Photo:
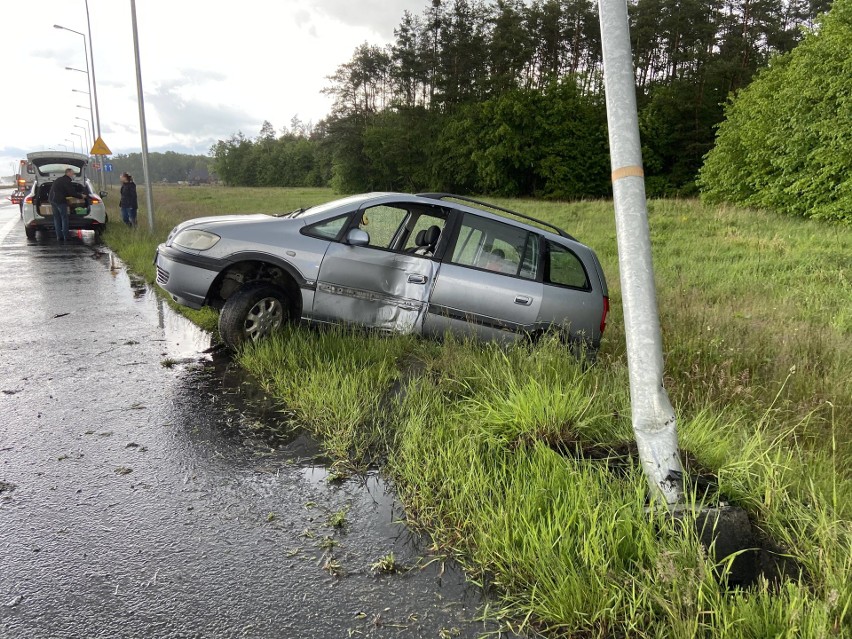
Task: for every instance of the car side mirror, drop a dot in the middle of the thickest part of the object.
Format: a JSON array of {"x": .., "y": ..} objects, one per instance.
[
  {"x": 357, "y": 237},
  {"x": 103, "y": 193}
]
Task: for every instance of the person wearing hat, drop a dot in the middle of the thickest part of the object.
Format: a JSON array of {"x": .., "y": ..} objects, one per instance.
[{"x": 63, "y": 187}]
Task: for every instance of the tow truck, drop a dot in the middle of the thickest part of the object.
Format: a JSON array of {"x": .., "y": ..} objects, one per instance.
[{"x": 23, "y": 183}]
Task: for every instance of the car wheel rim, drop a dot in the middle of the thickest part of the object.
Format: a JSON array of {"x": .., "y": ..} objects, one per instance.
[{"x": 263, "y": 318}]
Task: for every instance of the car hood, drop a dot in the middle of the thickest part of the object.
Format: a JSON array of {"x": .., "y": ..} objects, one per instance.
[
  {"x": 219, "y": 220},
  {"x": 217, "y": 223}
]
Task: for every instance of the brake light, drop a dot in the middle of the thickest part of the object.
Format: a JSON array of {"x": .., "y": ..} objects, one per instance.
[
  {"x": 94, "y": 200},
  {"x": 605, "y": 313},
  {"x": 29, "y": 199}
]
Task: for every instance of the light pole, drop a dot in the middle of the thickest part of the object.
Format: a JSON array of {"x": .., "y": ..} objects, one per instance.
[
  {"x": 77, "y": 135},
  {"x": 73, "y": 146},
  {"x": 64, "y": 146},
  {"x": 652, "y": 414},
  {"x": 92, "y": 84},
  {"x": 85, "y": 135},
  {"x": 91, "y": 77},
  {"x": 90, "y": 119},
  {"x": 142, "y": 129}
]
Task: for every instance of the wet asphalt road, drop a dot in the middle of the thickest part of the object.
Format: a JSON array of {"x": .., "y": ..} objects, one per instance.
[{"x": 134, "y": 504}]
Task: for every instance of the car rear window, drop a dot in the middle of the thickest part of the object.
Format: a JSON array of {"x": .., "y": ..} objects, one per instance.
[
  {"x": 564, "y": 268},
  {"x": 46, "y": 169}
]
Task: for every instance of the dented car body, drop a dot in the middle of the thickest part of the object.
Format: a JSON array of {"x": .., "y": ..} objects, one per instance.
[{"x": 424, "y": 264}]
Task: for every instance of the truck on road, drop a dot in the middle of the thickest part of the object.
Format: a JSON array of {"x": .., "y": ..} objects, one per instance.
[{"x": 23, "y": 183}]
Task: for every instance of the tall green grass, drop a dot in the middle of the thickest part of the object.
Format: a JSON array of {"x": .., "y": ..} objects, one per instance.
[{"x": 486, "y": 444}]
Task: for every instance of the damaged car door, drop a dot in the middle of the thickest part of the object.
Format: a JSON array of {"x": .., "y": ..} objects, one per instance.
[{"x": 374, "y": 276}]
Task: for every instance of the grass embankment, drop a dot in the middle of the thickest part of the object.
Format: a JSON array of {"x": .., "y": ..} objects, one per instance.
[{"x": 757, "y": 317}]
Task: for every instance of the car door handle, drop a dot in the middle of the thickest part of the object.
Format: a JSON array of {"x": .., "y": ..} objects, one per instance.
[
  {"x": 523, "y": 300},
  {"x": 416, "y": 279}
]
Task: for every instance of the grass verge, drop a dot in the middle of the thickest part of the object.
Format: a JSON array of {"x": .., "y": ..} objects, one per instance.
[{"x": 756, "y": 320}]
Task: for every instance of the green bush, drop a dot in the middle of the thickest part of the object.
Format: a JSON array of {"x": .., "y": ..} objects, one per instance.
[{"x": 786, "y": 142}]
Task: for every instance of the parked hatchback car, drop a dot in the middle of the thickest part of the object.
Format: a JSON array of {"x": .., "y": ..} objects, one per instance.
[
  {"x": 424, "y": 264},
  {"x": 88, "y": 212}
]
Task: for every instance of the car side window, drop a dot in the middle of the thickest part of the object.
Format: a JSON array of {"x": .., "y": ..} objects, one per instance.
[
  {"x": 327, "y": 229},
  {"x": 424, "y": 222},
  {"x": 382, "y": 224},
  {"x": 564, "y": 268},
  {"x": 498, "y": 247}
]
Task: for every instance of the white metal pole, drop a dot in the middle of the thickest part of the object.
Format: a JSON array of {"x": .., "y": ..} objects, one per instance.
[
  {"x": 77, "y": 135},
  {"x": 90, "y": 120},
  {"x": 653, "y": 416},
  {"x": 85, "y": 136},
  {"x": 142, "y": 128},
  {"x": 95, "y": 93}
]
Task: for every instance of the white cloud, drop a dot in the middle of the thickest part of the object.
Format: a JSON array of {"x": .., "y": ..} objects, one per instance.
[{"x": 381, "y": 15}]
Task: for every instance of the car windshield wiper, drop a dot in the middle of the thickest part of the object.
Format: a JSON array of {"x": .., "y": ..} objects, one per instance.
[{"x": 293, "y": 213}]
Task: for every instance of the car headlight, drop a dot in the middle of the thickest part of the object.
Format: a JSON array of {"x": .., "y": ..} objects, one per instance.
[{"x": 195, "y": 240}]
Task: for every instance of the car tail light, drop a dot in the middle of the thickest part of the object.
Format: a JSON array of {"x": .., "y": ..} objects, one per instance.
[
  {"x": 29, "y": 199},
  {"x": 605, "y": 313},
  {"x": 94, "y": 200}
]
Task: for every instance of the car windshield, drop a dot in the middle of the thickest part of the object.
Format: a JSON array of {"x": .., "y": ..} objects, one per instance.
[
  {"x": 328, "y": 206},
  {"x": 46, "y": 169}
]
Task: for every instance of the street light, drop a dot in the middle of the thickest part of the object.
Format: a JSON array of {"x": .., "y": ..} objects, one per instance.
[
  {"x": 77, "y": 135},
  {"x": 73, "y": 146},
  {"x": 93, "y": 84},
  {"x": 90, "y": 120},
  {"x": 88, "y": 51},
  {"x": 85, "y": 135}
]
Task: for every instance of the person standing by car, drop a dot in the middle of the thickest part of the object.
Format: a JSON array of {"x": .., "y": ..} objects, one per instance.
[
  {"x": 63, "y": 187},
  {"x": 129, "y": 203}
]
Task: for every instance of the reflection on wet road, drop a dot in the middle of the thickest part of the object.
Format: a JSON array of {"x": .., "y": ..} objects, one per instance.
[{"x": 135, "y": 501}]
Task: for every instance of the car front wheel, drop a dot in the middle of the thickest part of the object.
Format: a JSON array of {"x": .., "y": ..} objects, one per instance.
[{"x": 254, "y": 312}]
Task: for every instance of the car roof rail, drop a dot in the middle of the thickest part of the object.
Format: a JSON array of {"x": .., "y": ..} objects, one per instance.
[{"x": 463, "y": 198}]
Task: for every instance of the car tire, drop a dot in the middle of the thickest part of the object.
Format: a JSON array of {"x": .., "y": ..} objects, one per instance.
[
  {"x": 30, "y": 232},
  {"x": 254, "y": 312}
]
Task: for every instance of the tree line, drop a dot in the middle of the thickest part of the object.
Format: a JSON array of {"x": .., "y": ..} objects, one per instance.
[
  {"x": 163, "y": 167},
  {"x": 506, "y": 97}
]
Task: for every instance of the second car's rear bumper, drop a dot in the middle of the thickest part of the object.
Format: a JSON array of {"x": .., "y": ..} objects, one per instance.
[{"x": 182, "y": 277}]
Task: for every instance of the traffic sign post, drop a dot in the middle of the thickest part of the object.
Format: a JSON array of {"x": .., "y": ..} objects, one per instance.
[{"x": 108, "y": 168}]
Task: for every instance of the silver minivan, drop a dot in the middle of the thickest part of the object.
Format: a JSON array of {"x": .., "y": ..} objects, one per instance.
[{"x": 425, "y": 264}]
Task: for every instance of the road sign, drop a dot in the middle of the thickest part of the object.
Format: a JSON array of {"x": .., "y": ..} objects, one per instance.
[
  {"x": 108, "y": 168},
  {"x": 100, "y": 147},
  {"x": 96, "y": 165}
]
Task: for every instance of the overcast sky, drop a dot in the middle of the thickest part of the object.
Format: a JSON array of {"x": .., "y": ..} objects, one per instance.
[{"x": 209, "y": 68}]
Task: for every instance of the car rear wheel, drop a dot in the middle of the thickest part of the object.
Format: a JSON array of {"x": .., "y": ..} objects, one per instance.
[
  {"x": 254, "y": 312},
  {"x": 30, "y": 232}
]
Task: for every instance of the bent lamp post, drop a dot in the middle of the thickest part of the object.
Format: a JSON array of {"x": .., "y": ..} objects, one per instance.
[{"x": 652, "y": 414}]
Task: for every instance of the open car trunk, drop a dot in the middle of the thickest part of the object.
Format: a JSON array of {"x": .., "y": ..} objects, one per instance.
[{"x": 80, "y": 206}]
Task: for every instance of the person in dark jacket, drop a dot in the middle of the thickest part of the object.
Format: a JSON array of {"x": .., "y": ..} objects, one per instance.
[
  {"x": 128, "y": 204},
  {"x": 63, "y": 187}
]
